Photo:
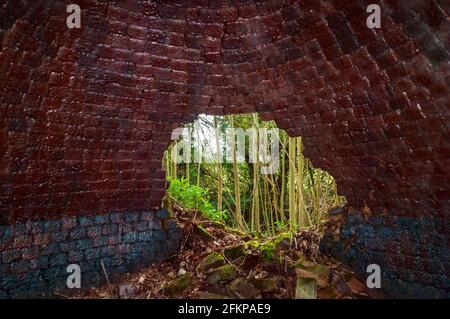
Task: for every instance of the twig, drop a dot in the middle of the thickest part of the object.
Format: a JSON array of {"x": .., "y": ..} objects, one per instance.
[
  {"x": 107, "y": 278},
  {"x": 60, "y": 294},
  {"x": 187, "y": 236}
]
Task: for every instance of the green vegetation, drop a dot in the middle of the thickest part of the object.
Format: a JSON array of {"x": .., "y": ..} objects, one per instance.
[
  {"x": 194, "y": 197},
  {"x": 268, "y": 247},
  {"x": 237, "y": 193}
]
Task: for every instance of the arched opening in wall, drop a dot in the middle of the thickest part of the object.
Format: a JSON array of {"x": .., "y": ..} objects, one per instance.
[{"x": 247, "y": 174}]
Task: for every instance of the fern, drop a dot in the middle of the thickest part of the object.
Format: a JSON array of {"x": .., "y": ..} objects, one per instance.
[{"x": 195, "y": 197}]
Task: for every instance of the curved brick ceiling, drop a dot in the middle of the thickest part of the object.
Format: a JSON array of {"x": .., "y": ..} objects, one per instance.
[{"x": 86, "y": 114}]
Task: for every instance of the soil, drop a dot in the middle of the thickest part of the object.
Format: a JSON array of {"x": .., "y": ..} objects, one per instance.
[{"x": 202, "y": 237}]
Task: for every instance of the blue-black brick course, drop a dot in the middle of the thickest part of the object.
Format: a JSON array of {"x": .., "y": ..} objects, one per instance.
[
  {"x": 34, "y": 255},
  {"x": 412, "y": 252}
]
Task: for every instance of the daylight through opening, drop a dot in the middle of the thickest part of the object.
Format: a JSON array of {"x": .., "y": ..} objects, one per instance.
[{"x": 247, "y": 174}]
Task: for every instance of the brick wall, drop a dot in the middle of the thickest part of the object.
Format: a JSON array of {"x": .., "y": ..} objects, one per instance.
[
  {"x": 412, "y": 252},
  {"x": 35, "y": 254},
  {"x": 86, "y": 114}
]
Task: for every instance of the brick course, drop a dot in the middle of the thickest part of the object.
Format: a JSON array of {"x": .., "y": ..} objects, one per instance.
[
  {"x": 124, "y": 242},
  {"x": 86, "y": 114},
  {"x": 413, "y": 253}
]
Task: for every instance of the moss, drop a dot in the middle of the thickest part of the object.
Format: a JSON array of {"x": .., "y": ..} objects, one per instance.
[
  {"x": 306, "y": 288},
  {"x": 212, "y": 261},
  {"x": 268, "y": 248},
  {"x": 224, "y": 273},
  {"x": 266, "y": 284},
  {"x": 179, "y": 284},
  {"x": 235, "y": 252}
]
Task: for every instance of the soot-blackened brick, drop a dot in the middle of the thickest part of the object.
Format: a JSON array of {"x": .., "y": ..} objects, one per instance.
[{"x": 87, "y": 114}]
